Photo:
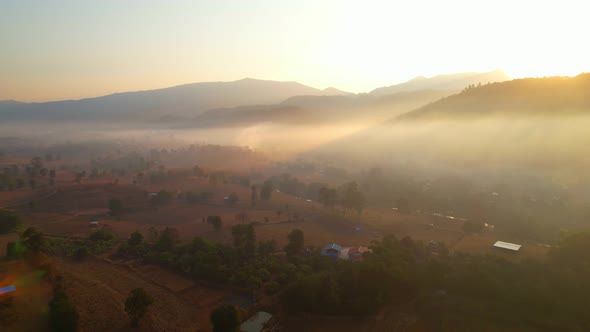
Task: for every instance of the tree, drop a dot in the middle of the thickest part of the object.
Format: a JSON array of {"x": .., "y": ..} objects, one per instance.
[
  {"x": 225, "y": 318},
  {"x": 152, "y": 235},
  {"x": 215, "y": 221},
  {"x": 168, "y": 239},
  {"x": 267, "y": 247},
  {"x": 198, "y": 171},
  {"x": 213, "y": 179},
  {"x": 242, "y": 217},
  {"x": 81, "y": 253},
  {"x": 32, "y": 239},
  {"x": 43, "y": 171},
  {"x": 63, "y": 316},
  {"x": 137, "y": 304},
  {"x": 52, "y": 173},
  {"x": 135, "y": 239},
  {"x": 101, "y": 235},
  {"x": 296, "y": 242},
  {"x": 233, "y": 199},
  {"x": 115, "y": 206},
  {"x": 266, "y": 190},
  {"x": 36, "y": 164},
  {"x": 353, "y": 197},
  {"x": 244, "y": 238},
  {"x": 8, "y": 221},
  {"x": 254, "y": 195}
]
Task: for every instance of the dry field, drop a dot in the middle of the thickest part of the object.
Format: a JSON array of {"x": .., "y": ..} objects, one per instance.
[
  {"x": 68, "y": 212},
  {"x": 99, "y": 289}
]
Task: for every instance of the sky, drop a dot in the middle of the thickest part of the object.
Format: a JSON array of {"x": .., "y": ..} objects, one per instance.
[{"x": 54, "y": 50}]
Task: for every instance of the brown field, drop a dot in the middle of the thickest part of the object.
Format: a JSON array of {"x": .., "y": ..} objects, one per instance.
[
  {"x": 69, "y": 210},
  {"x": 99, "y": 289}
]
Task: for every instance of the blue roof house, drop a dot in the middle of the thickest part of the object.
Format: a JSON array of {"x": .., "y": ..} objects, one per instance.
[{"x": 332, "y": 250}]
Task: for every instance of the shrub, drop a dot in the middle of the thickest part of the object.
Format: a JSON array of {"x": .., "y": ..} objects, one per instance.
[
  {"x": 137, "y": 304},
  {"x": 81, "y": 253},
  {"x": 62, "y": 314},
  {"x": 225, "y": 318},
  {"x": 8, "y": 221},
  {"x": 272, "y": 288},
  {"x": 101, "y": 235}
]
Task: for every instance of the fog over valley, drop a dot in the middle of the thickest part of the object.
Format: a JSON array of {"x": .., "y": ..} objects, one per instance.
[{"x": 265, "y": 166}]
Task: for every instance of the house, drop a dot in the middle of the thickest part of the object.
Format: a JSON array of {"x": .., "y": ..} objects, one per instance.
[
  {"x": 255, "y": 323},
  {"x": 507, "y": 245},
  {"x": 355, "y": 254},
  {"x": 332, "y": 250},
  {"x": 94, "y": 223}
]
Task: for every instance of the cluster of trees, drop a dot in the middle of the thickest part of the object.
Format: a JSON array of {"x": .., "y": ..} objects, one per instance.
[
  {"x": 549, "y": 295},
  {"x": 9, "y": 221},
  {"x": 18, "y": 176},
  {"x": 385, "y": 276},
  {"x": 349, "y": 196},
  {"x": 520, "y": 205},
  {"x": 248, "y": 263}
]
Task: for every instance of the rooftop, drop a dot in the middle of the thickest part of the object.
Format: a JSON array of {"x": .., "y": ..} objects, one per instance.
[
  {"x": 256, "y": 322},
  {"x": 333, "y": 246},
  {"x": 507, "y": 245}
]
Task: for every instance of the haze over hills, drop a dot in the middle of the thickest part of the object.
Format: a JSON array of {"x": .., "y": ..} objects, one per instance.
[
  {"x": 188, "y": 99},
  {"x": 298, "y": 110},
  {"x": 538, "y": 124},
  {"x": 523, "y": 97},
  {"x": 200, "y": 101},
  {"x": 443, "y": 82}
]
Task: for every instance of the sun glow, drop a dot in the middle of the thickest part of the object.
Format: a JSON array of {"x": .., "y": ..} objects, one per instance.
[{"x": 352, "y": 45}]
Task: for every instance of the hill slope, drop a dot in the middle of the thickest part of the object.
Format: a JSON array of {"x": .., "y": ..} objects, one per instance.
[{"x": 525, "y": 97}]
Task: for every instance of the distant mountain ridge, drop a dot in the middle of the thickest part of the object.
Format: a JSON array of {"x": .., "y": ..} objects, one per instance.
[
  {"x": 443, "y": 82},
  {"x": 193, "y": 99}
]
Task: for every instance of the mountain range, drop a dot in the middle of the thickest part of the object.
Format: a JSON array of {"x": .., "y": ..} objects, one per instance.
[
  {"x": 181, "y": 100},
  {"x": 219, "y": 103}
]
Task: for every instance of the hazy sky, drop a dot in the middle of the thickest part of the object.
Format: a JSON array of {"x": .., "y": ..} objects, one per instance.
[{"x": 53, "y": 50}]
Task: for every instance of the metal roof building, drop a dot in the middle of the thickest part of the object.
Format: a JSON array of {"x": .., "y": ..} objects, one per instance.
[
  {"x": 256, "y": 322},
  {"x": 507, "y": 245}
]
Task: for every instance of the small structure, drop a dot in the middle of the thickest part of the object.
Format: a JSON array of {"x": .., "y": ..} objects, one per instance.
[
  {"x": 355, "y": 254},
  {"x": 332, "y": 250},
  {"x": 256, "y": 322},
  {"x": 94, "y": 223},
  {"x": 507, "y": 246}
]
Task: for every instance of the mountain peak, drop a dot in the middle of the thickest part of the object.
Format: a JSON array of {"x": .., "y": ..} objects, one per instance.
[
  {"x": 451, "y": 82},
  {"x": 331, "y": 91}
]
